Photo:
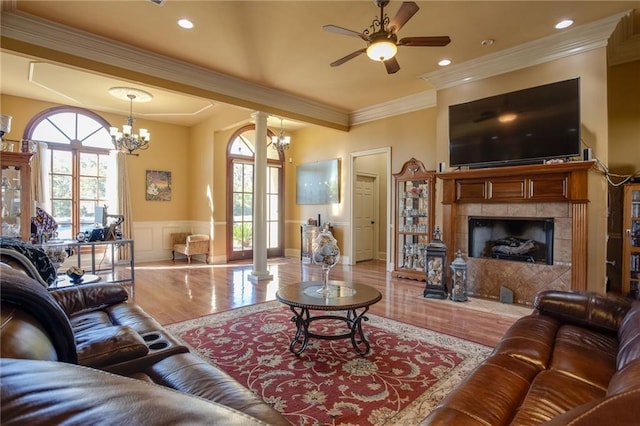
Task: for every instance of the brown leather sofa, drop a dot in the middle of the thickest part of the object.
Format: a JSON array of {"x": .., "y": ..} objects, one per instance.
[
  {"x": 574, "y": 361},
  {"x": 87, "y": 355}
]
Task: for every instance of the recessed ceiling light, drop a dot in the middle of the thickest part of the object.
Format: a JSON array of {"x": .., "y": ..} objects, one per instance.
[
  {"x": 185, "y": 23},
  {"x": 487, "y": 42},
  {"x": 444, "y": 62},
  {"x": 564, "y": 24}
]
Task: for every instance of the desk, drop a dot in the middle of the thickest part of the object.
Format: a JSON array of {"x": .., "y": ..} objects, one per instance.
[
  {"x": 350, "y": 297},
  {"x": 78, "y": 247},
  {"x": 113, "y": 245}
]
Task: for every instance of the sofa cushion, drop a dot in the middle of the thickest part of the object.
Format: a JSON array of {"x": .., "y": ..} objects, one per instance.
[
  {"x": 109, "y": 345},
  {"x": 531, "y": 339},
  {"x": 190, "y": 374},
  {"x": 553, "y": 393},
  {"x": 585, "y": 354},
  {"x": 476, "y": 402},
  {"x": 45, "y": 393}
]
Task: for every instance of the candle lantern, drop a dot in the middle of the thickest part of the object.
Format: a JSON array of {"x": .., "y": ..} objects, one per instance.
[
  {"x": 436, "y": 265},
  {"x": 459, "y": 279}
]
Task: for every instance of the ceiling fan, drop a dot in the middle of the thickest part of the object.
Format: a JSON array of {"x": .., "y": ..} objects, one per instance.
[{"x": 382, "y": 39}]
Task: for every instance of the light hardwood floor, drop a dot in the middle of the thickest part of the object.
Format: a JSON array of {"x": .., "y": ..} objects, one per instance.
[{"x": 175, "y": 291}]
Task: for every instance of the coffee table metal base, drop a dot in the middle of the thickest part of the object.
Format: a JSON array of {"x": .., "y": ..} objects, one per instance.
[{"x": 353, "y": 319}]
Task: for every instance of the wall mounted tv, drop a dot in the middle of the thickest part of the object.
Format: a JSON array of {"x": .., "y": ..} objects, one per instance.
[{"x": 522, "y": 127}]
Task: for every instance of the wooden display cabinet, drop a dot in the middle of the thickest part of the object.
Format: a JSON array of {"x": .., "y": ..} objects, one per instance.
[
  {"x": 414, "y": 219},
  {"x": 631, "y": 241},
  {"x": 16, "y": 194}
]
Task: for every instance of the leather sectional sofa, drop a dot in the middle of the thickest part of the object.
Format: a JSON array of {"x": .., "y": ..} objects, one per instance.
[
  {"x": 574, "y": 361},
  {"x": 87, "y": 355}
]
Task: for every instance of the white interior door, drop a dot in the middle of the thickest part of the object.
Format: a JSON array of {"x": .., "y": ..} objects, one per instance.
[{"x": 365, "y": 208}]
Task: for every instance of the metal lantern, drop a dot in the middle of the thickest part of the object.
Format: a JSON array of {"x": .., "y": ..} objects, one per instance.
[
  {"x": 436, "y": 268},
  {"x": 458, "y": 279}
]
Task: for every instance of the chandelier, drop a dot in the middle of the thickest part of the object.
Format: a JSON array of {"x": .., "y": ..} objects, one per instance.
[
  {"x": 127, "y": 140},
  {"x": 281, "y": 142}
]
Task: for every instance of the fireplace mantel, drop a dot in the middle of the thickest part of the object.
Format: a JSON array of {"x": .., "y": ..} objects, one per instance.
[
  {"x": 542, "y": 183},
  {"x": 518, "y": 184}
]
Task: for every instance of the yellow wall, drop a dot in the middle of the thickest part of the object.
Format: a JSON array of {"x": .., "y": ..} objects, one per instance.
[
  {"x": 624, "y": 118},
  {"x": 169, "y": 150}
]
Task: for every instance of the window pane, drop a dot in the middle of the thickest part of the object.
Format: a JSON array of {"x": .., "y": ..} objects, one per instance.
[
  {"x": 45, "y": 131},
  {"x": 272, "y": 179},
  {"x": 61, "y": 161},
  {"x": 92, "y": 134},
  {"x": 272, "y": 207},
  {"x": 237, "y": 207},
  {"x": 237, "y": 177},
  {"x": 61, "y": 186},
  {"x": 88, "y": 164},
  {"x": 272, "y": 234},
  {"x": 88, "y": 188},
  {"x": 102, "y": 190},
  {"x": 61, "y": 211},
  {"x": 66, "y": 122},
  {"x": 248, "y": 178},
  {"x": 87, "y": 212},
  {"x": 103, "y": 165},
  {"x": 247, "y": 236},
  {"x": 248, "y": 207}
]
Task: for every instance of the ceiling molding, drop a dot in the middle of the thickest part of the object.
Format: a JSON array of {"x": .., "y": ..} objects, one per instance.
[
  {"x": 569, "y": 42},
  {"x": 29, "y": 31},
  {"x": 406, "y": 104},
  {"x": 625, "y": 44}
]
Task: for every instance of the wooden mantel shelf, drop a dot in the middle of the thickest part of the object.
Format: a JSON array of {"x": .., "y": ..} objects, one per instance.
[{"x": 564, "y": 182}]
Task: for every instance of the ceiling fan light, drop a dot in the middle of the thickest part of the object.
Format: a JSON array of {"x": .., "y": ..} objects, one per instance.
[
  {"x": 507, "y": 117},
  {"x": 382, "y": 50}
]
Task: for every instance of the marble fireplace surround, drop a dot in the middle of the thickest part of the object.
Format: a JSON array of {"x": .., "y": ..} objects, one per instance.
[{"x": 557, "y": 191}]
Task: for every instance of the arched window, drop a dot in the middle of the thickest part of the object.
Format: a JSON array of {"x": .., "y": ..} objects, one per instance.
[
  {"x": 240, "y": 166},
  {"x": 77, "y": 166}
]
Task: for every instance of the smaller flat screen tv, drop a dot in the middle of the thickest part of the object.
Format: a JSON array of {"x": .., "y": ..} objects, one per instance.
[{"x": 522, "y": 127}]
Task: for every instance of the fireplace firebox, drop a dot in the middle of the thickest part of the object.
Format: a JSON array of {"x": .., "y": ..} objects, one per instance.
[{"x": 517, "y": 239}]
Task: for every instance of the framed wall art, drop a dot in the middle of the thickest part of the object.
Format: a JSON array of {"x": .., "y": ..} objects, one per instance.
[
  {"x": 318, "y": 182},
  {"x": 158, "y": 185}
]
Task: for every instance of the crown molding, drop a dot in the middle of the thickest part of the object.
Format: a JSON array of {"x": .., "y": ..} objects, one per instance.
[
  {"x": 570, "y": 42},
  {"x": 406, "y": 104},
  {"x": 624, "y": 44},
  {"x": 86, "y": 50}
]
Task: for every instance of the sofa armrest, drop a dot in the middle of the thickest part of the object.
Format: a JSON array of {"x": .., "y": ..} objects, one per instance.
[
  {"x": 587, "y": 309},
  {"x": 79, "y": 298}
]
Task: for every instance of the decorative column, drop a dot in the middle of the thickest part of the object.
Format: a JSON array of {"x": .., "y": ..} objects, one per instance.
[{"x": 260, "y": 271}]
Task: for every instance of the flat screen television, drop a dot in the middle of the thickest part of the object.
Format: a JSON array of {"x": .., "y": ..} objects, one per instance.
[{"x": 523, "y": 127}]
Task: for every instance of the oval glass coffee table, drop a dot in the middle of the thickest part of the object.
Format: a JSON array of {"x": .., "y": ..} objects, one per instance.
[{"x": 353, "y": 298}]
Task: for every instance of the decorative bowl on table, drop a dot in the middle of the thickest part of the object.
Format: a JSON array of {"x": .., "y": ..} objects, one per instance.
[{"x": 75, "y": 274}]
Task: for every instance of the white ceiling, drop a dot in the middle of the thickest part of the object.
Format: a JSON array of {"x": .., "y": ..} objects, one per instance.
[{"x": 278, "y": 45}]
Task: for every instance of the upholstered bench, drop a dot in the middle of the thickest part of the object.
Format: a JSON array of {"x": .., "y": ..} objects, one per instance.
[{"x": 189, "y": 245}]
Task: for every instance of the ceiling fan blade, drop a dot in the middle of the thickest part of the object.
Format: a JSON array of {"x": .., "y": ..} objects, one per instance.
[
  {"x": 392, "y": 65},
  {"x": 435, "y": 41},
  {"x": 349, "y": 57},
  {"x": 406, "y": 11},
  {"x": 344, "y": 31}
]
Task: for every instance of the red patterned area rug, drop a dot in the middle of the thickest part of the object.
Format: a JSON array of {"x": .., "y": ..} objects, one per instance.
[{"x": 406, "y": 373}]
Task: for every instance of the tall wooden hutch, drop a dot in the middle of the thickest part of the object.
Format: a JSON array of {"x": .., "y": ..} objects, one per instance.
[
  {"x": 16, "y": 194},
  {"x": 414, "y": 218}
]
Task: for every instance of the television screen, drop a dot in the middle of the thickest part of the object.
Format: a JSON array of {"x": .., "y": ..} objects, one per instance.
[{"x": 522, "y": 127}]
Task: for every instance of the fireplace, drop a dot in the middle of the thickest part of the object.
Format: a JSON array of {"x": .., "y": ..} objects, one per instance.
[{"x": 516, "y": 239}]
